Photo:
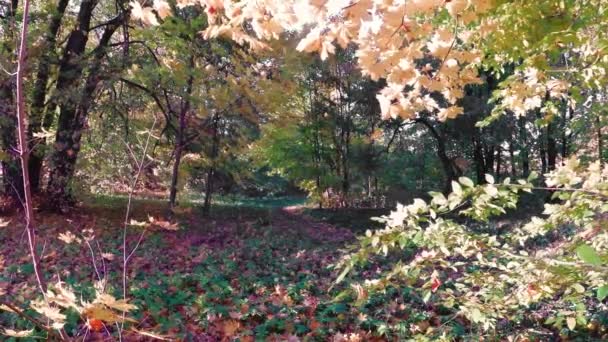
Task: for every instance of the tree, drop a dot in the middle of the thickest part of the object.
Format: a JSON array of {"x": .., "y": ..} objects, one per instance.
[{"x": 11, "y": 172}]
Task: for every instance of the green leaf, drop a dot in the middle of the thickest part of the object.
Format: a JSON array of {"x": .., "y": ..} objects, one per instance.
[
  {"x": 588, "y": 255},
  {"x": 456, "y": 188},
  {"x": 533, "y": 175},
  {"x": 602, "y": 292},
  {"x": 427, "y": 296},
  {"x": 466, "y": 182},
  {"x": 578, "y": 288},
  {"x": 342, "y": 275}
]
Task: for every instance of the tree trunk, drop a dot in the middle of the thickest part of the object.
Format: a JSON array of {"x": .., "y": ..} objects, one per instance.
[
  {"x": 74, "y": 112},
  {"x": 215, "y": 146},
  {"x": 37, "y": 145},
  {"x": 498, "y": 162},
  {"x": 11, "y": 171},
  {"x": 178, "y": 158},
  {"x": 600, "y": 140},
  {"x": 489, "y": 158},
  {"x": 345, "y": 165},
  {"x": 551, "y": 147},
  {"x": 542, "y": 145},
  {"x": 478, "y": 159},
  {"x": 180, "y": 138},
  {"x": 446, "y": 162},
  {"x": 523, "y": 146},
  {"x": 565, "y": 144},
  {"x": 512, "y": 158}
]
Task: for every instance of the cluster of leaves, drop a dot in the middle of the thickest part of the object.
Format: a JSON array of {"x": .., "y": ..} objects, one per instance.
[{"x": 493, "y": 277}]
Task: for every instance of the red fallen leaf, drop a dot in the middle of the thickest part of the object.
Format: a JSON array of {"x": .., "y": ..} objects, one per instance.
[
  {"x": 95, "y": 324},
  {"x": 314, "y": 325},
  {"x": 212, "y": 10},
  {"x": 435, "y": 284}
]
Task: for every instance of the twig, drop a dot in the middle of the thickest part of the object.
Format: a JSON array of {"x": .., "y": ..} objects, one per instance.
[
  {"x": 93, "y": 259},
  {"x": 128, "y": 210},
  {"x": 125, "y": 257},
  {"x": 584, "y": 191},
  {"x": 29, "y": 318}
]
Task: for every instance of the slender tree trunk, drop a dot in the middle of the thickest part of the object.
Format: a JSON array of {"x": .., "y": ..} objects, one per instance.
[
  {"x": 523, "y": 146},
  {"x": 498, "y": 162},
  {"x": 512, "y": 158},
  {"x": 345, "y": 164},
  {"x": 178, "y": 158},
  {"x": 542, "y": 145},
  {"x": 478, "y": 159},
  {"x": 490, "y": 152},
  {"x": 551, "y": 147},
  {"x": 215, "y": 146},
  {"x": 180, "y": 138},
  {"x": 565, "y": 144},
  {"x": 600, "y": 140},
  {"x": 37, "y": 145},
  {"x": 317, "y": 141},
  {"x": 208, "y": 191},
  {"x": 24, "y": 154}
]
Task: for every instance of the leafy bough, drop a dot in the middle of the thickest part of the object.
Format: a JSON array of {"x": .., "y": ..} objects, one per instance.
[{"x": 488, "y": 276}]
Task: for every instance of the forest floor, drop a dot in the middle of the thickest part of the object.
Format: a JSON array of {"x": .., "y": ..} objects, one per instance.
[{"x": 246, "y": 273}]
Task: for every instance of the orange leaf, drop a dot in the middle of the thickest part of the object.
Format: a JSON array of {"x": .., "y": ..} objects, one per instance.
[{"x": 95, "y": 325}]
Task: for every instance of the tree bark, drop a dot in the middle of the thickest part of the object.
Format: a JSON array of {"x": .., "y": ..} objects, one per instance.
[
  {"x": 523, "y": 147},
  {"x": 446, "y": 162},
  {"x": 489, "y": 152},
  {"x": 600, "y": 140},
  {"x": 565, "y": 138},
  {"x": 551, "y": 147},
  {"x": 11, "y": 171},
  {"x": 498, "y": 162},
  {"x": 69, "y": 128},
  {"x": 37, "y": 145},
  {"x": 478, "y": 159},
  {"x": 542, "y": 145},
  {"x": 180, "y": 138},
  {"x": 215, "y": 145},
  {"x": 74, "y": 112},
  {"x": 512, "y": 158}
]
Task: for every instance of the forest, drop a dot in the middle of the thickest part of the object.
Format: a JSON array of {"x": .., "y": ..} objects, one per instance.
[{"x": 303, "y": 170}]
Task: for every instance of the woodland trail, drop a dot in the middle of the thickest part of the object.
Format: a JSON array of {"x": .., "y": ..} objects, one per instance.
[{"x": 294, "y": 217}]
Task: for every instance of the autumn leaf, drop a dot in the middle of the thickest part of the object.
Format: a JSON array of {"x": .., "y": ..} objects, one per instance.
[
  {"x": 435, "y": 284},
  {"x": 113, "y": 303},
  {"x": 231, "y": 327},
  {"x": 143, "y": 14},
  {"x": 162, "y": 8},
  {"x": 108, "y": 256},
  {"x": 18, "y": 333},
  {"x": 152, "y": 335},
  {"x": 69, "y": 238},
  {"x": 95, "y": 324}
]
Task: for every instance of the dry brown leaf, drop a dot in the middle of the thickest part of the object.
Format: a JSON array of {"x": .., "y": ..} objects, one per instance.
[
  {"x": 152, "y": 335},
  {"x": 20, "y": 333}
]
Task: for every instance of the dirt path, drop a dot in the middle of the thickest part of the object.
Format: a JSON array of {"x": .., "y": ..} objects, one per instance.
[{"x": 294, "y": 218}]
